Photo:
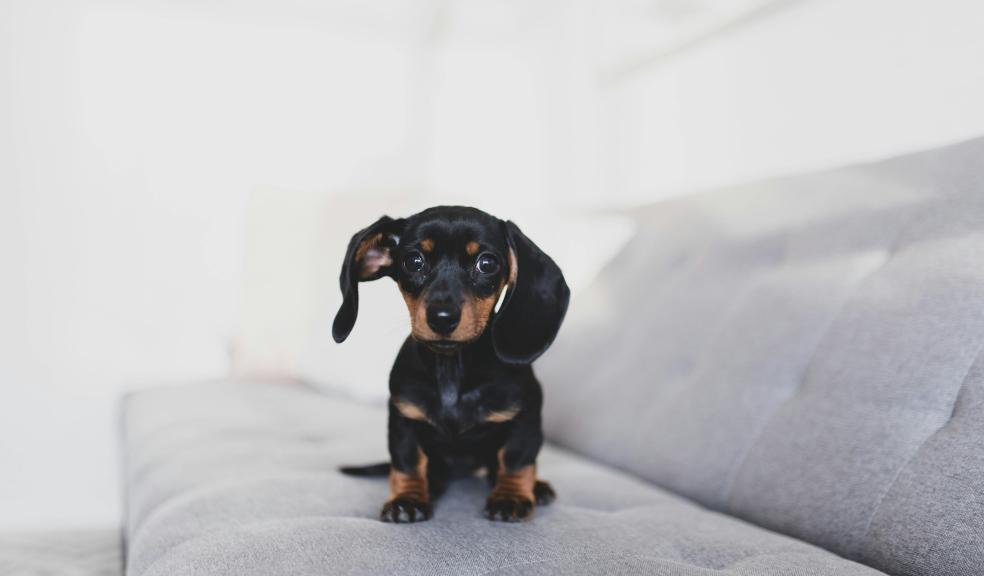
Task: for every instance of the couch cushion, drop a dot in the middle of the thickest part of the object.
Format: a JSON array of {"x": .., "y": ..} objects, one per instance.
[
  {"x": 81, "y": 552},
  {"x": 799, "y": 353},
  {"x": 233, "y": 478}
]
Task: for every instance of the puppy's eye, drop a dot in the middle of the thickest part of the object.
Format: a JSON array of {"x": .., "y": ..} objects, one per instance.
[
  {"x": 487, "y": 264},
  {"x": 414, "y": 262}
]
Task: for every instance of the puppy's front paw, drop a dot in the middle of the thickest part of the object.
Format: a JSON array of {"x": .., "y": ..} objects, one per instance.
[
  {"x": 508, "y": 507},
  {"x": 406, "y": 509}
]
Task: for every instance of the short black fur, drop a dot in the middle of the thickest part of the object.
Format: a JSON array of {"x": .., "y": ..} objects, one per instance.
[{"x": 463, "y": 395}]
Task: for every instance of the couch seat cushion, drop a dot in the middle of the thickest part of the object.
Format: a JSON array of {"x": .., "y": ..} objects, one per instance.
[{"x": 241, "y": 478}]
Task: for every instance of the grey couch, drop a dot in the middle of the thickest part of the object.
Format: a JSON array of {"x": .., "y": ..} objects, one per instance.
[{"x": 785, "y": 378}]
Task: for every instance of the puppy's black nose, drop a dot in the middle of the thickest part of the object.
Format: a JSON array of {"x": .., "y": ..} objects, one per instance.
[{"x": 443, "y": 318}]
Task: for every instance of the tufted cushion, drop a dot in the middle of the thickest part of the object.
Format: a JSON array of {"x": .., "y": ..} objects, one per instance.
[
  {"x": 800, "y": 353},
  {"x": 233, "y": 478}
]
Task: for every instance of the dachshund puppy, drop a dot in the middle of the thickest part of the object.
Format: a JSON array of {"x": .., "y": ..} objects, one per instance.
[{"x": 462, "y": 393}]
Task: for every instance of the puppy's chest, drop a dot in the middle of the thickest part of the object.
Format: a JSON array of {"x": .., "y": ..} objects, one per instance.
[{"x": 459, "y": 406}]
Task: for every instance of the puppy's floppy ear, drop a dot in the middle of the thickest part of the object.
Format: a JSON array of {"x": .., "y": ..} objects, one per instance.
[
  {"x": 535, "y": 305},
  {"x": 368, "y": 257}
]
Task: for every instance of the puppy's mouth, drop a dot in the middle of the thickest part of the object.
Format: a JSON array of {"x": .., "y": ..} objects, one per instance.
[{"x": 444, "y": 346}]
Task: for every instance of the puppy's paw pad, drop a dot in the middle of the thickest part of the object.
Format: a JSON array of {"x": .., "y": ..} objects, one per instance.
[
  {"x": 543, "y": 493},
  {"x": 404, "y": 510},
  {"x": 508, "y": 508}
]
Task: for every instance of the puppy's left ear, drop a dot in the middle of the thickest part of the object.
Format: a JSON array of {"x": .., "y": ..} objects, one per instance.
[
  {"x": 369, "y": 257},
  {"x": 535, "y": 305}
]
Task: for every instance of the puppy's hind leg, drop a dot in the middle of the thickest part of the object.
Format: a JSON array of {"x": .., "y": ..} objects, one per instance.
[{"x": 543, "y": 493}]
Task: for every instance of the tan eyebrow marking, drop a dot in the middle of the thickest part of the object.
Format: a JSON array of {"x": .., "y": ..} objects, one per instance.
[
  {"x": 427, "y": 244},
  {"x": 472, "y": 248}
]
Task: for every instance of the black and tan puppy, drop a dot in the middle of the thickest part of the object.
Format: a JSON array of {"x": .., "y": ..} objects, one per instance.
[{"x": 462, "y": 392}]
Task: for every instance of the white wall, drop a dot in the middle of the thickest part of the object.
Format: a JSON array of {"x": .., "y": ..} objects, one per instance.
[
  {"x": 131, "y": 136},
  {"x": 134, "y": 135},
  {"x": 624, "y": 102},
  {"x": 807, "y": 85}
]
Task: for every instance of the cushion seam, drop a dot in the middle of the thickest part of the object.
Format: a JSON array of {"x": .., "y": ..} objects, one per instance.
[{"x": 863, "y": 541}]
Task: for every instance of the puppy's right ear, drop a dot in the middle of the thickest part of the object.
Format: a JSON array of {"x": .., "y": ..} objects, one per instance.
[{"x": 369, "y": 256}]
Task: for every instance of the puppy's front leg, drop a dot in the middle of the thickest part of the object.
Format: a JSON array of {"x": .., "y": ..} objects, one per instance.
[
  {"x": 409, "y": 499},
  {"x": 516, "y": 491}
]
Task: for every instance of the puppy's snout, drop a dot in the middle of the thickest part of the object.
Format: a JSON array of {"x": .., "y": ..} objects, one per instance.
[{"x": 443, "y": 318}]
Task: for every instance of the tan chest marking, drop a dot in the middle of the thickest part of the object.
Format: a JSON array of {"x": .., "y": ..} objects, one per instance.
[
  {"x": 499, "y": 416},
  {"x": 411, "y": 410}
]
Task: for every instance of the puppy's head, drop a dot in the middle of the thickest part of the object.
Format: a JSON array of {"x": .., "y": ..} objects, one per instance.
[{"x": 452, "y": 264}]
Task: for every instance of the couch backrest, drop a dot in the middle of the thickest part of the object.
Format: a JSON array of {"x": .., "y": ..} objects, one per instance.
[{"x": 804, "y": 353}]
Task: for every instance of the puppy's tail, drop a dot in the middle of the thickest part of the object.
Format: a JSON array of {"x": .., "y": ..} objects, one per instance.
[{"x": 370, "y": 471}]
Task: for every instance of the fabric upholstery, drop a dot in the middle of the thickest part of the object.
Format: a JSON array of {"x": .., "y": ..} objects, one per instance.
[
  {"x": 241, "y": 479},
  {"x": 804, "y": 354},
  {"x": 81, "y": 552}
]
